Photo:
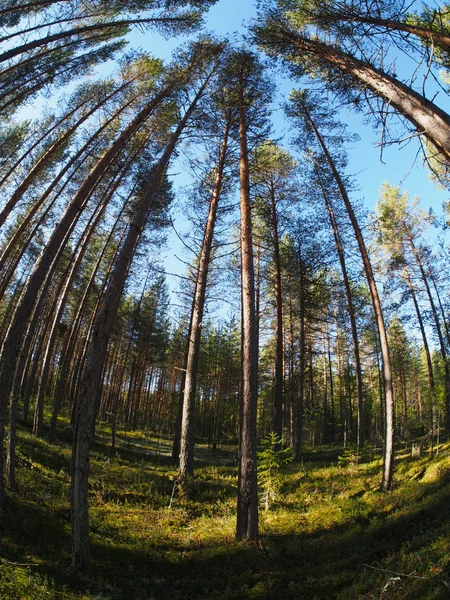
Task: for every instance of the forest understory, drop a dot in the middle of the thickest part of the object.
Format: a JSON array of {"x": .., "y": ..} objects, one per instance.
[
  {"x": 329, "y": 533},
  {"x": 224, "y": 338}
]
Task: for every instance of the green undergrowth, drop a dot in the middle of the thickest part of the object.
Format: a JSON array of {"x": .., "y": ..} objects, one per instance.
[{"x": 330, "y": 533}]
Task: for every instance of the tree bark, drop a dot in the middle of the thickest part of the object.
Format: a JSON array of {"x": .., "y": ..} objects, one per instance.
[
  {"x": 300, "y": 399},
  {"x": 277, "y": 416},
  {"x": 438, "y": 328},
  {"x": 89, "y": 388},
  {"x": 351, "y": 312},
  {"x": 13, "y": 342},
  {"x": 55, "y": 37},
  {"x": 427, "y": 351},
  {"x": 247, "y": 505},
  {"x": 388, "y": 458},
  {"x": 429, "y": 120},
  {"x": 424, "y": 33},
  {"x": 193, "y": 353},
  {"x": 42, "y": 163}
]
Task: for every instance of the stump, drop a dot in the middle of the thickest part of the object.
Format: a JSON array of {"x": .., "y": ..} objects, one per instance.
[{"x": 416, "y": 451}]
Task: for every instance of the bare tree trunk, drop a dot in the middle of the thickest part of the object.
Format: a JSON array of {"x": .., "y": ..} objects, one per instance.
[
  {"x": 66, "y": 354},
  {"x": 351, "y": 312},
  {"x": 13, "y": 343},
  {"x": 90, "y": 384},
  {"x": 428, "y": 35},
  {"x": 429, "y": 120},
  {"x": 40, "y": 202},
  {"x": 193, "y": 353},
  {"x": 247, "y": 505},
  {"x": 19, "y": 381},
  {"x": 12, "y": 169},
  {"x": 427, "y": 352},
  {"x": 388, "y": 461},
  {"x": 300, "y": 400},
  {"x": 330, "y": 366},
  {"x": 277, "y": 416},
  {"x": 438, "y": 328},
  {"x": 325, "y": 407},
  {"x": 62, "y": 295},
  {"x": 176, "y": 445},
  {"x": 42, "y": 163},
  {"x": 441, "y": 308},
  {"x": 55, "y": 37},
  {"x": 291, "y": 369}
]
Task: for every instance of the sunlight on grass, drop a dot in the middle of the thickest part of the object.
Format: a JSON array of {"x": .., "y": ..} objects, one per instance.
[{"x": 329, "y": 534}]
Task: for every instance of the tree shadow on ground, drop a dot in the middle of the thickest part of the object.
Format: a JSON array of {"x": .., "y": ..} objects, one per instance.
[{"x": 327, "y": 564}]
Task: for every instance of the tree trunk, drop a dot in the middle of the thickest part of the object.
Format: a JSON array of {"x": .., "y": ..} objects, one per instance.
[
  {"x": 424, "y": 33},
  {"x": 429, "y": 120},
  {"x": 300, "y": 400},
  {"x": 13, "y": 342},
  {"x": 427, "y": 351},
  {"x": 44, "y": 160},
  {"x": 65, "y": 287},
  {"x": 351, "y": 312},
  {"x": 277, "y": 416},
  {"x": 247, "y": 504},
  {"x": 438, "y": 329},
  {"x": 55, "y": 37},
  {"x": 388, "y": 461},
  {"x": 67, "y": 353},
  {"x": 13, "y": 168},
  {"x": 90, "y": 384},
  {"x": 193, "y": 353},
  {"x": 291, "y": 368}
]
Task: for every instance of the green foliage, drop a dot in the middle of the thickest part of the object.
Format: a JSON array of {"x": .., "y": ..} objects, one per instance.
[
  {"x": 270, "y": 461},
  {"x": 20, "y": 583},
  {"x": 351, "y": 456},
  {"x": 333, "y": 536}
]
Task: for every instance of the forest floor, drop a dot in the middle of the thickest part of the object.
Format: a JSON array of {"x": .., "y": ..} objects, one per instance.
[{"x": 330, "y": 535}]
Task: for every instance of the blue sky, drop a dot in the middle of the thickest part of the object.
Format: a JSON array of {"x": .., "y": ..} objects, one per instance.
[
  {"x": 400, "y": 165},
  {"x": 229, "y": 18}
]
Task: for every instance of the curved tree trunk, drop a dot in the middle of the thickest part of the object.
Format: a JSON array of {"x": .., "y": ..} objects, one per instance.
[
  {"x": 63, "y": 293},
  {"x": 40, "y": 202},
  {"x": 65, "y": 289},
  {"x": 89, "y": 388},
  {"x": 70, "y": 343},
  {"x": 438, "y": 329},
  {"x": 41, "y": 138},
  {"x": 429, "y": 120},
  {"x": 61, "y": 35},
  {"x": 351, "y": 312},
  {"x": 13, "y": 342},
  {"x": 388, "y": 462},
  {"x": 193, "y": 351},
  {"x": 31, "y": 6},
  {"x": 43, "y": 162},
  {"x": 424, "y": 33},
  {"x": 426, "y": 348}
]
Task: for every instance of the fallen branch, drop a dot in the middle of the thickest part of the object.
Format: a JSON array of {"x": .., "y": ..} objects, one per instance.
[
  {"x": 16, "y": 564},
  {"x": 411, "y": 575}
]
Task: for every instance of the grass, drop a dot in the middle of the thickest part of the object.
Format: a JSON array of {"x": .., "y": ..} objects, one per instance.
[{"x": 332, "y": 534}]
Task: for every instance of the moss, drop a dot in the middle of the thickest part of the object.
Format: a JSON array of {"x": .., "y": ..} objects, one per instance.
[{"x": 331, "y": 535}]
